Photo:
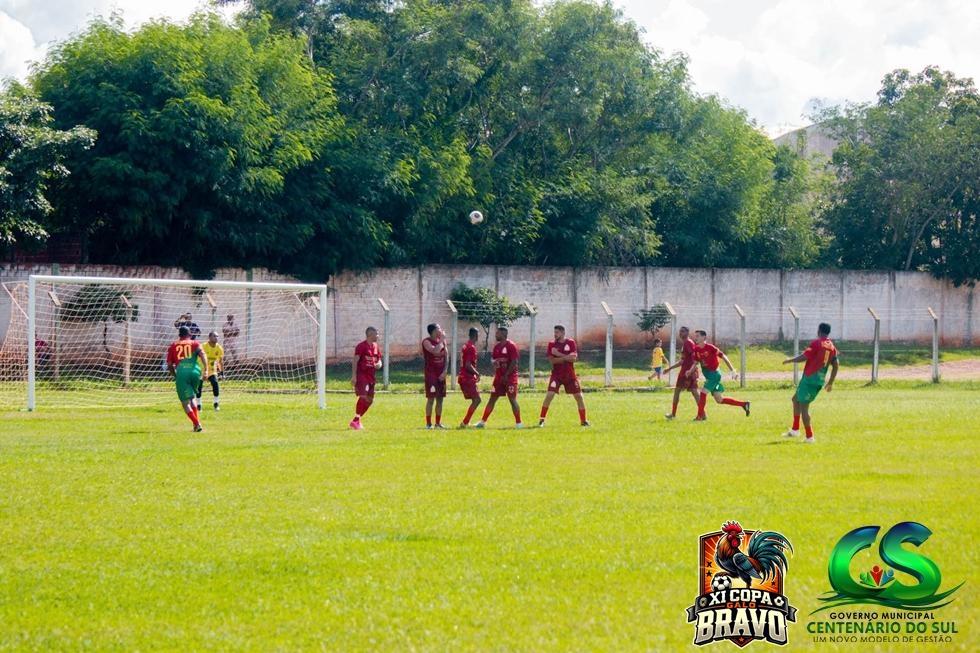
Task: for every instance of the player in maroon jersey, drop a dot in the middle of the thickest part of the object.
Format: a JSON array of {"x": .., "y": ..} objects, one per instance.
[
  {"x": 687, "y": 377},
  {"x": 562, "y": 352},
  {"x": 434, "y": 352},
  {"x": 469, "y": 376},
  {"x": 708, "y": 355},
  {"x": 367, "y": 360},
  {"x": 505, "y": 358}
]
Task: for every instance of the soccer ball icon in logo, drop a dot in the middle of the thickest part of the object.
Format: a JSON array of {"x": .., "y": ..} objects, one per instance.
[
  {"x": 476, "y": 217},
  {"x": 721, "y": 582}
]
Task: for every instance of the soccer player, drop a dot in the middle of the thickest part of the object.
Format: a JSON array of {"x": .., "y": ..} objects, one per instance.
[
  {"x": 819, "y": 355},
  {"x": 434, "y": 353},
  {"x": 657, "y": 360},
  {"x": 505, "y": 357},
  {"x": 215, "y": 353},
  {"x": 708, "y": 354},
  {"x": 687, "y": 377},
  {"x": 367, "y": 360},
  {"x": 469, "y": 376},
  {"x": 186, "y": 362},
  {"x": 563, "y": 353}
]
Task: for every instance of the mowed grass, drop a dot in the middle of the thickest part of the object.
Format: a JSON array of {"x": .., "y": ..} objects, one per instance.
[{"x": 279, "y": 529}]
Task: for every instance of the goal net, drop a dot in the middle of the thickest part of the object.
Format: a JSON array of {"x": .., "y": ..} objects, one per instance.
[{"x": 103, "y": 341}]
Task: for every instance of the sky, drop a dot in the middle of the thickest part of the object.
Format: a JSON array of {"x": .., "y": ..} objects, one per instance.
[{"x": 776, "y": 59}]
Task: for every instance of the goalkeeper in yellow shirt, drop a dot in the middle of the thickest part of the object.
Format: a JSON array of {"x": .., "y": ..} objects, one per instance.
[{"x": 215, "y": 353}]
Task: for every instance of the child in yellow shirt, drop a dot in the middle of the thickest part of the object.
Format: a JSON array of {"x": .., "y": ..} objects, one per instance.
[{"x": 657, "y": 360}]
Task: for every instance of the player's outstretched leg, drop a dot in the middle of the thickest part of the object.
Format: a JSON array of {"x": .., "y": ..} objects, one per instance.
[
  {"x": 795, "y": 429},
  {"x": 728, "y": 401},
  {"x": 548, "y": 398}
]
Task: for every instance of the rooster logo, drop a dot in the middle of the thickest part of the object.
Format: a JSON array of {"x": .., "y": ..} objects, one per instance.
[{"x": 764, "y": 559}]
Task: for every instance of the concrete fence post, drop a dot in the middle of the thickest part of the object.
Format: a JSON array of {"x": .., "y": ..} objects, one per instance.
[
  {"x": 673, "y": 340},
  {"x": 127, "y": 343},
  {"x": 385, "y": 339},
  {"x": 935, "y": 345},
  {"x": 741, "y": 345},
  {"x": 876, "y": 347},
  {"x": 796, "y": 344},
  {"x": 454, "y": 343},
  {"x": 609, "y": 342},
  {"x": 532, "y": 344}
]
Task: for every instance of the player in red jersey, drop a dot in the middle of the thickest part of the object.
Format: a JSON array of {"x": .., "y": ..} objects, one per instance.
[
  {"x": 687, "y": 377},
  {"x": 469, "y": 377},
  {"x": 505, "y": 358},
  {"x": 819, "y": 355},
  {"x": 563, "y": 353},
  {"x": 186, "y": 362},
  {"x": 434, "y": 352},
  {"x": 367, "y": 360},
  {"x": 708, "y": 354}
]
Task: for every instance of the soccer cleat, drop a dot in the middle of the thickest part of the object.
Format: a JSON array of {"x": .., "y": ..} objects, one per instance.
[
  {"x": 198, "y": 428},
  {"x": 480, "y": 424},
  {"x": 746, "y": 408},
  {"x": 216, "y": 406},
  {"x": 441, "y": 427},
  {"x": 428, "y": 427},
  {"x": 701, "y": 418},
  {"x": 586, "y": 423},
  {"x": 792, "y": 433},
  {"x": 808, "y": 440},
  {"x": 519, "y": 425},
  {"x": 355, "y": 424},
  {"x": 669, "y": 416},
  {"x": 463, "y": 426},
  {"x": 540, "y": 423}
]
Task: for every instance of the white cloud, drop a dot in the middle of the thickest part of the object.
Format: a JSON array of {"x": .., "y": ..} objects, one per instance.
[
  {"x": 17, "y": 47},
  {"x": 774, "y": 58}
]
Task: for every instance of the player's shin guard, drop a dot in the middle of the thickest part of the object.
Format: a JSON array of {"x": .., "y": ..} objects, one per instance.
[{"x": 728, "y": 401}]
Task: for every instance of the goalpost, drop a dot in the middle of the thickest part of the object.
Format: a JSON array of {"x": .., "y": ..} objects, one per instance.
[{"x": 102, "y": 341}]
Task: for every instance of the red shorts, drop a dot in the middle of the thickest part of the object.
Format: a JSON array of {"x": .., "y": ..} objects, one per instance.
[
  {"x": 570, "y": 383},
  {"x": 503, "y": 387},
  {"x": 469, "y": 387},
  {"x": 685, "y": 382},
  {"x": 435, "y": 388},
  {"x": 364, "y": 387}
]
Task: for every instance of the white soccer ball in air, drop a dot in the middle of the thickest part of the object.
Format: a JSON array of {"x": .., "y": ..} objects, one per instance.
[
  {"x": 721, "y": 582},
  {"x": 476, "y": 217}
]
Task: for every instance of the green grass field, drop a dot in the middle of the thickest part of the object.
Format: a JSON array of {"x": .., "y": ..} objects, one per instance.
[{"x": 279, "y": 529}]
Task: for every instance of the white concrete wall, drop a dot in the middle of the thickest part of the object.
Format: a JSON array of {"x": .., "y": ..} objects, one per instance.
[{"x": 704, "y": 298}]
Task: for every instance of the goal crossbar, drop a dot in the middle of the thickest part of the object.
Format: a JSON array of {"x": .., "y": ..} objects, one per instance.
[{"x": 320, "y": 304}]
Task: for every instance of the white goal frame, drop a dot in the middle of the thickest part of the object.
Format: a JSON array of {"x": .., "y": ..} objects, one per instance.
[{"x": 34, "y": 279}]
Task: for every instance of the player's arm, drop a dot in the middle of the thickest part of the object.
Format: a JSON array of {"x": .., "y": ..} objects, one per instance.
[
  {"x": 353, "y": 369},
  {"x": 724, "y": 357},
  {"x": 204, "y": 362},
  {"x": 798, "y": 359},
  {"x": 834, "y": 366},
  {"x": 677, "y": 364},
  {"x": 429, "y": 347}
]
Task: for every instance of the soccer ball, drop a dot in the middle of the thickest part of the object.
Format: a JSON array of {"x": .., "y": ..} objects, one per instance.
[
  {"x": 721, "y": 582},
  {"x": 476, "y": 217}
]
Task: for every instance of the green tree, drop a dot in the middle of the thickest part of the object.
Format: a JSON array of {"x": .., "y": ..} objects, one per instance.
[
  {"x": 652, "y": 319},
  {"x": 32, "y": 156},
  {"x": 486, "y": 308},
  {"x": 219, "y": 145},
  {"x": 909, "y": 170}
]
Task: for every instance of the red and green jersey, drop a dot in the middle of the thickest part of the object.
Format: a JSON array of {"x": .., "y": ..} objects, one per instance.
[
  {"x": 182, "y": 350},
  {"x": 819, "y": 355},
  {"x": 708, "y": 355},
  {"x": 469, "y": 358}
]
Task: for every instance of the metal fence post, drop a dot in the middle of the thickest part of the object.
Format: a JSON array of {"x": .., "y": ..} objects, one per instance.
[
  {"x": 609, "y": 342},
  {"x": 935, "y": 345},
  {"x": 876, "y": 347},
  {"x": 454, "y": 340},
  {"x": 532, "y": 313},
  {"x": 385, "y": 354},
  {"x": 796, "y": 344},
  {"x": 673, "y": 340},
  {"x": 741, "y": 345}
]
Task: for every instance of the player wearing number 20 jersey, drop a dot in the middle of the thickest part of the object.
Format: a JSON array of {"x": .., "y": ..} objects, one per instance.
[{"x": 187, "y": 362}]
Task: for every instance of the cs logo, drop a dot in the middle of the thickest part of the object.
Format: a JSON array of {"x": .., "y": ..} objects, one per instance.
[{"x": 879, "y": 586}]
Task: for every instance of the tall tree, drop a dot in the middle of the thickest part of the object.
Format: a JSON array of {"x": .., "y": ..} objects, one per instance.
[
  {"x": 909, "y": 165},
  {"x": 32, "y": 156}
]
